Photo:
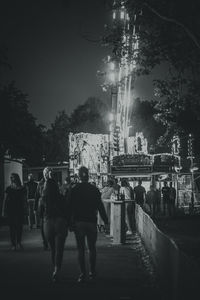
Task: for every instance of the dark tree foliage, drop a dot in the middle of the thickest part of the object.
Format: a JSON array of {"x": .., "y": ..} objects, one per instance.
[
  {"x": 19, "y": 135},
  {"x": 168, "y": 32},
  {"x": 56, "y": 139},
  {"x": 3, "y": 61},
  {"x": 142, "y": 120},
  {"x": 91, "y": 117}
]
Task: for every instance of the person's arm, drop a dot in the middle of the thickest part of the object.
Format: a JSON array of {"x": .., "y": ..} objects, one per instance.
[{"x": 5, "y": 205}]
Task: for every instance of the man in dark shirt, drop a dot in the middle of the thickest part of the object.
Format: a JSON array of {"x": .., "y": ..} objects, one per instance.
[
  {"x": 165, "y": 197},
  {"x": 85, "y": 202},
  {"x": 172, "y": 199},
  {"x": 31, "y": 187},
  {"x": 139, "y": 193}
]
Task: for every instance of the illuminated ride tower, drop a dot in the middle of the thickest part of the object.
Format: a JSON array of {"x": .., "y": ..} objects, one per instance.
[{"x": 122, "y": 66}]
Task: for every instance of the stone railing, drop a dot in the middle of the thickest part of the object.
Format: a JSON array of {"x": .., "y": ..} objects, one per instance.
[{"x": 177, "y": 274}]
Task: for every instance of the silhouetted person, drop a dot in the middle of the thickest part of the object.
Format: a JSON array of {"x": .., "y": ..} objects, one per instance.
[
  {"x": 31, "y": 187},
  {"x": 85, "y": 202},
  {"x": 15, "y": 208},
  {"x": 153, "y": 200},
  {"x": 39, "y": 208},
  {"x": 139, "y": 193},
  {"x": 126, "y": 191},
  {"x": 172, "y": 199},
  {"x": 116, "y": 186},
  {"x": 165, "y": 197},
  {"x": 106, "y": 193},
  {"x": 55, "y": 220}
]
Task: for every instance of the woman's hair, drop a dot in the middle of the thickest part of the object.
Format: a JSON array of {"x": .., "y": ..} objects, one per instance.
[
  {"x": 46, "y": 170},
  {"x": 16, "y": 178}
]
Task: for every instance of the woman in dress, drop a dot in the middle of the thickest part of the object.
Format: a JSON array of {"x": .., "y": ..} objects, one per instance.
[
  {"x": 15, "y": 209},
  {"x": 55, "y": 220}
]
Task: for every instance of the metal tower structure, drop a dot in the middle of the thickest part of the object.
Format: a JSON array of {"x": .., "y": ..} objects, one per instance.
[{"x": 122, "y": 66}]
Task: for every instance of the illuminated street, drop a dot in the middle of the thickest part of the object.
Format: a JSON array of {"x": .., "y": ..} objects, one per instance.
[
  {"x": 124, "y": 271},
  {"x": 99, "y": 129}
]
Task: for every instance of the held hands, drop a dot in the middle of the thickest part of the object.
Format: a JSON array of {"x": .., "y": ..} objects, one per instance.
[{"x": 106, "y": 228}]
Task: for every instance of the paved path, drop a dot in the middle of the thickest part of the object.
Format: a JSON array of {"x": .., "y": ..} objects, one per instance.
[{"x": 124, "y": 271}]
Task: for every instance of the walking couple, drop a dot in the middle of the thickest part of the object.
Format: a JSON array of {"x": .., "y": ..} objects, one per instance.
[{"x": 77, "y": 212}]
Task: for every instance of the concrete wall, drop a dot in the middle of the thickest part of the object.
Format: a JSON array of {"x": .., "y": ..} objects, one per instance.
[{"x": 177, "y": 273}]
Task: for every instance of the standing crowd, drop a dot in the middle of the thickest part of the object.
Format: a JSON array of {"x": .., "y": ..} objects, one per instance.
[{"x": 78, "y": 206}]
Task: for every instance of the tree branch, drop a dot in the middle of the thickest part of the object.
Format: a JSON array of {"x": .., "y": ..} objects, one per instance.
[{"x": 189, "y": 33}]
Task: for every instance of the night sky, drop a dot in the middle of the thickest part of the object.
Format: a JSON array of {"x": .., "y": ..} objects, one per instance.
[{"x": 51, "y": 60}]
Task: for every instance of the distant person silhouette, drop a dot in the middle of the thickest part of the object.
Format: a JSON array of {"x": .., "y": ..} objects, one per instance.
[
  {"x": 15, "y": 209},
  {"x": 172, "y": 199},
  {"x": 153, "y": 199},
  {"x": 126, "y": 191},
  {"x": 166, "y": 198},
  {"x": 106, "y": 193},
  {"x": 39, "y": 208},
  {"x": 31, "y": 187},
  {"x": 139, "y": 193}
]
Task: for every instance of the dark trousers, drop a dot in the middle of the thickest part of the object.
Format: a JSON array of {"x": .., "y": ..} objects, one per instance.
[
  {"x": 55, "y": 231},
  {"x": 31, "y": 214},
  {"x": 44, "y": 240},
  {"x": 131, "y": 215},
  {"x": 83, "y": 231},
  {"x": 168, "y": 208},
  {"x": 16, "y": 228}
]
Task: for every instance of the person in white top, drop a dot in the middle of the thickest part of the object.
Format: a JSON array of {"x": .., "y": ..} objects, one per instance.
[
  {"x": 126, "y": 191},
  {"x": 106, "y": 193}
]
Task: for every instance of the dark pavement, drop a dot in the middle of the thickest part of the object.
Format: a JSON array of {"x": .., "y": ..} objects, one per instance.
[{"x": 124, "y": 271}]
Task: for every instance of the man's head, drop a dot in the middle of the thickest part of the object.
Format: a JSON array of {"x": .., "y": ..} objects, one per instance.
[
  {"x": 139, "y": 182},
  {"x": 47, "y": 173},
  {"x": 83, "y": 174}
]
